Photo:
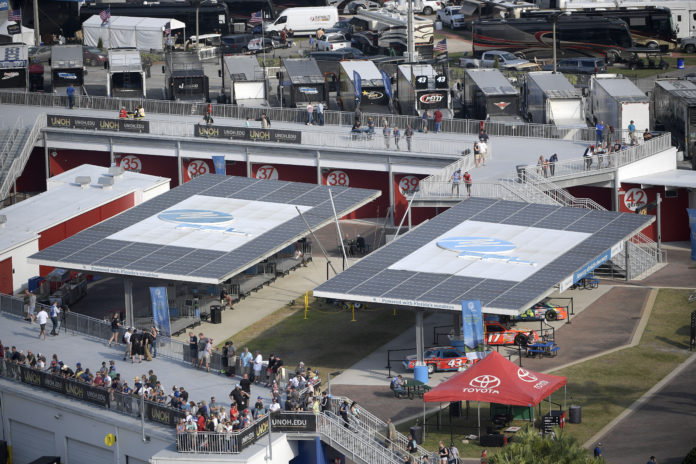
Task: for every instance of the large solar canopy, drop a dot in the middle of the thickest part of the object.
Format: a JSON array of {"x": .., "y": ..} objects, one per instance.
[
  {"x": 207, "y": 230},
  {"x": 507, "y": 254}
]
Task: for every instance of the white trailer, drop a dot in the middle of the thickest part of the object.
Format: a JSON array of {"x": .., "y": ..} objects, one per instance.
[
  {"x": 125, "y": 76},
  {"x": 549, "y": 98},
  {"x": 14, "y": 67},
  {"x": 369, "y": 93},
  {"x": 421, "y": 87},
  {"x": 617, "y": 101},
  {"x": 245, "y": 81}
]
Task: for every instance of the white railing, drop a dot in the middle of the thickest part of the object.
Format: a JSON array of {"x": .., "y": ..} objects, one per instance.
[{"x": 16, "y": 164}]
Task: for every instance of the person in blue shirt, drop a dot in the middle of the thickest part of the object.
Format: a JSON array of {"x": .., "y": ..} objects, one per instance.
[
  {"x": 599, "y": 128},
  {"x": 246, "y": 358},
  {"x": 71, "y": 96},
  {"x": 598, "y": 451},
  {"x": 632, "y": 133}
]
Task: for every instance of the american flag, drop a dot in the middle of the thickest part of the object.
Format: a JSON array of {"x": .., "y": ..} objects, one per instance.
[
  {"x": 441, "y": 46},
  {"x": 15, "y": 15},
  {"x": 256, "y": 17},
  {"x": 105, "y": 14}
]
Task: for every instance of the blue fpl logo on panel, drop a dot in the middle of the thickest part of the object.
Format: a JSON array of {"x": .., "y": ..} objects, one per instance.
[
  {"x": 201, "y": 219},
  {"x": 483, "y": 249}
]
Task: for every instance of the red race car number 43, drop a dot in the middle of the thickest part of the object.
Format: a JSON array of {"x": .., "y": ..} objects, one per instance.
[{"x": 455, "y": 362}]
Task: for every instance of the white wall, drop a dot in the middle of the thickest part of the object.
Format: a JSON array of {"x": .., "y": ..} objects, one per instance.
[
  {"x": 22, "y": 269},
  {"x": 153, "y": 192},
  {"x": 79, "y": 421},
  {"x": 664, "y": 161}
]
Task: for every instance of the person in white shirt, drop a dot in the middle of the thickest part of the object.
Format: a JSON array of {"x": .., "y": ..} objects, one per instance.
[
  {"x": 42, "y": 317},
  {"x": 126, "y": 340},
  {"x": 275, "y": 406},
  {"x": 55, "y": 311},
  {"x": 258, "y": 364},
  {"x": 483, "y": 148},
  {"x": 208, "y": 354}
]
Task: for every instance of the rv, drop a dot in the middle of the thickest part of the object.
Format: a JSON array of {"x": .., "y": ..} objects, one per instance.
[
  {"x": 125, "y": 76},
  {"x": 385, "y": 32},
  {"x": 184, "y": 78},
  {"x": 674, "y": 109},
  {"x": 245, "y": 81},
  {"x": 549, "y": 98},
  {"x": 14, "y": 67},
  {"x": 422, "y": 87},
  {"x": 364, "y": 79},
  {"x": 303, "y": 20},
  {"x": 302, "y": 82},
  {"x": 487, "y": 94},
  {"x": 617, "y": 101},
  {"x": 67, "y": 68}
]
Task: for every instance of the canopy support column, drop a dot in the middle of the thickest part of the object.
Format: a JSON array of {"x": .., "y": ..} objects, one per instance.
[
  {"x": 420, "y": 371},
  {"x": 478, "y": 404},
  {"x": 128, "y": 295}
]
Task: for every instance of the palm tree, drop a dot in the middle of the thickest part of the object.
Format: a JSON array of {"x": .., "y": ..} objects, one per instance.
[{"x": 529, "y": 447}]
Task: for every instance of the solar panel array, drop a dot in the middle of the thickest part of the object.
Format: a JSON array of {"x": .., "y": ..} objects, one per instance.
[
  {"x": 92, "y": 248},
  {"x": 371, "y": 278}
]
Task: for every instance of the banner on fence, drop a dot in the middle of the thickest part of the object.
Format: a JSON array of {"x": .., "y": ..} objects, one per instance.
[
  {"x": 294, "y": 422},
  {"x": 160, "y": 310},
  {"x": 245, "y": 133},
  {"x": 219, "y": 163},
  {"x": 472, "y": 330},
  {"x": 249, "y": 435},
  {"x": 68, "y": 387},
  {"x": 163, "y": 414},
  {"x": 99, "y": 124}
]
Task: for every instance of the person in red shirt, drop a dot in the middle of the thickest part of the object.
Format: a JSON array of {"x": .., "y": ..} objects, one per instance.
[
  {"x": 201, "y": 422},
  {"x": 437, "y": 116},
  {"x": 123, "y": 114},
  {"x": 467, "y": 182}
]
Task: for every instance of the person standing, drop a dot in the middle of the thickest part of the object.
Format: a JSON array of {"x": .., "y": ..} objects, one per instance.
[
  {"x": 391, "y": 434},
  {"x": 437, "y": 117},
  {"x": 386, "y": 132},
  {"x": 484, "y": 457},
  {"x": 310, "y": 114},
  {"x": 408, "y": 133},
  {"x": 597, "y": 451},
  {"x": 456, "y": 181},
  {"x": 424, "y": 121},
  {"x": 552, "y": 164},
  {"x": 208, "y": 353},
  {"x": 599, "y": 130},
  {"x": 320, "y": 113},
  {"x": 483, "y": 136},
  {"x": 32, "y": 305},
  {"x": 632, "y": 133},
  {"x": 54, "y": 312},
  {"x": 246, "y": 358},
  {"x": 652, "y": 460},
  {"x": 114, "y": 330},
  {"x": 71, "y": 96},
  {"x": 258, "y": 365},
  {"x": 42, "y": 317},
  {"x": 127, "y": 340},
  {"x": 443, "y": 452},
  {"x": 453, "y": 454},
  {"x": 397, "y": 137},
  {"x": 587, "y": 156},
  {"x": 344, "y": 414},
  {"x": 153, "y": 341},
  {"x": 468, "y": 182},
  {"x": 193, "y": 348},
  {"x": 202, "y": 343},
  {"x": 610, "y": 136}
]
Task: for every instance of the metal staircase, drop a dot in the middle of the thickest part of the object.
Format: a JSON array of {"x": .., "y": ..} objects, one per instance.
[{"x": 17, "y": 145}]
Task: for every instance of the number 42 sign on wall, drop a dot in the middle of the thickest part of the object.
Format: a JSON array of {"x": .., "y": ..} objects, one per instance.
[{"x": 635, "y": 198}]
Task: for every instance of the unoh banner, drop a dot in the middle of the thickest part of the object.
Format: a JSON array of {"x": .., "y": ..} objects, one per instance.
[
  {"x": 692, "y": 223},
  {"x": 160, "y": 310},
  {"x": 472, "y": 329},
  {"x": 219, "y": 162}
]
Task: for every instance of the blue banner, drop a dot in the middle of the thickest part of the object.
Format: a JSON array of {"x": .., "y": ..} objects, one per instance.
[
  {"x": 591, "y": 266},
  {"x": 387, "y": 84},
  {"x": 219, "y": 162},
  {"x": 692, "y": 223},
  {"x": 4, "y": 5},
  {"x": 357, "y": 82},
  {"x": 472, "y": 329},
  {"x": 160, "y": 310}
]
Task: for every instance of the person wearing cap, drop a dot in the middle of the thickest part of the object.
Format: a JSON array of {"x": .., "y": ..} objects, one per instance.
[
  {"x": 456, "y": 181},
  {"x": 259, "y": 408},
  {"x": 31, "y": 304},
  {"x": 275, "y": 406},
  {"x": 598, "y": 451}
]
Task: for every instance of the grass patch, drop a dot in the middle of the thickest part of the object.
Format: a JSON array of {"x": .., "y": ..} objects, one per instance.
[
  {"x": 607, "y": 385},
  {"x": 327, "y": 340},
  {"x": 639, "y": 73}
]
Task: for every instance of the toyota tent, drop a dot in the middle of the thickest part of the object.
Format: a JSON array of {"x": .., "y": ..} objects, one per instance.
[
  {"x": 497, "y": 380},
  {"x": 26, "y": 35},
  {"x": 128, "y": 32}
]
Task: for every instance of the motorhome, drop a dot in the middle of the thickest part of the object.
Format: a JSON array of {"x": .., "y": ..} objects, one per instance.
[
  {"x": 423, "y": 87},
  {"x": 549, "y": 98},
  {"x": 385, "y": 32},
  {"x": 302, "y": 82},
  {"x": 245, "y": 81},
  {"x": 125, "y": 76},
  {"x": 67, "y": 68},
  {"x": 360, "y": 83},
  {"x": 184, "y": 78}
]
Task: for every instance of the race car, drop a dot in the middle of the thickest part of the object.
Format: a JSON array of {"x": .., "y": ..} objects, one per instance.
[
  {"x": 548, "y": 311},
  {"x": 498, "y": 334},
  {"x": 444, "y": 358}
]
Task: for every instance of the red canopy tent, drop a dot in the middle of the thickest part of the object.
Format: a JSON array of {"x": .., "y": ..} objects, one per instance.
[{"x": 494, "y": 379}]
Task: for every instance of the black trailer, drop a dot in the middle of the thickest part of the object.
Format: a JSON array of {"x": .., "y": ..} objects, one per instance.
[
  {"x": 67, "y": 68},
  {"x": 302, "y": 82},
  {"x": 489, "y": 95},
  {"x": 674, "y": 109},
  {"x": 184, "y": 78},
  {"x": 14, "y": 67}
]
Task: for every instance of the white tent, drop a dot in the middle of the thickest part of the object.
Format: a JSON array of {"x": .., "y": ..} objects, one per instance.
[
  {"x": 26, "y": 37},
  {"x": 128, "y": 32}
]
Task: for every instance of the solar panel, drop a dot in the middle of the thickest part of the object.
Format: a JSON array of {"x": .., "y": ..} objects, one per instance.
[
  {"x": 206, "y": 230},
  {"x": 438, "y": 264}
]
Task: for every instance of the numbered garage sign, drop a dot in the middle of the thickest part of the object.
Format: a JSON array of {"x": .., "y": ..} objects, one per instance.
[
  {"x": 338, "y": 178},
  {"x": 131, "y": 163},
  {"x": 197, "y": 168},
  {"x": 267, "y": 172},
  {"x": 408, "y": 185},
  {"x": 635, "y": 198}
]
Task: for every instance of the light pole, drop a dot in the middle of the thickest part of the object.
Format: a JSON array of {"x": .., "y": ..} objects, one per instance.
[{"x": 554, "y": 20}]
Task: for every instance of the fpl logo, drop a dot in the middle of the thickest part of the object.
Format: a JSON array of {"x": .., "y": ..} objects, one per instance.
[
  {"x": 483, "y": 249},
  {"x": 201, "y": 219}
]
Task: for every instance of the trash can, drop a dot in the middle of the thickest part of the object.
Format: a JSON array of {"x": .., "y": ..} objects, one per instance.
[
  {"x": 417, "y": 433},
  {"x": 215, "y": 314},
  {"x": 680, "y": 63},
  {"x": 575, "y": 414},
  {"x": 455, "y": 409}
]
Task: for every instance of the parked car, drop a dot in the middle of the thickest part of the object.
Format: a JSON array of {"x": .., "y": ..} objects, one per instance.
[
  {"x": 431, "y": 6},
  {"x": 506, "y": 60},
  {"x": 439, "y": 359},
  {"x": 344, "y": 27},
  {"x": 544, "y": 310},
  {"x": 93, "y": 56},
  {"x": 332, "y": 41},
  {"x": 688, "y": 45},
  {"x": 348, "y": 53},
  {"x": 356, "y": 6},
  {"x": 267, "y": 44},
  {"x": 40, "y": 54},
  {"x": 452, "y": 17},
  {"x": 236, "y": 43},
  {"x": 579, "y": 66},
  {"x": 499, "y": 334}
]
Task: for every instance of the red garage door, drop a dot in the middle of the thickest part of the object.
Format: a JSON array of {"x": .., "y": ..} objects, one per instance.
[{"x": 6, "y": 276}]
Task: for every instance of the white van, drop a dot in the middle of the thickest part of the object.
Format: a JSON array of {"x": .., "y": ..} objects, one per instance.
[{"x": 304, "y": 20}]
